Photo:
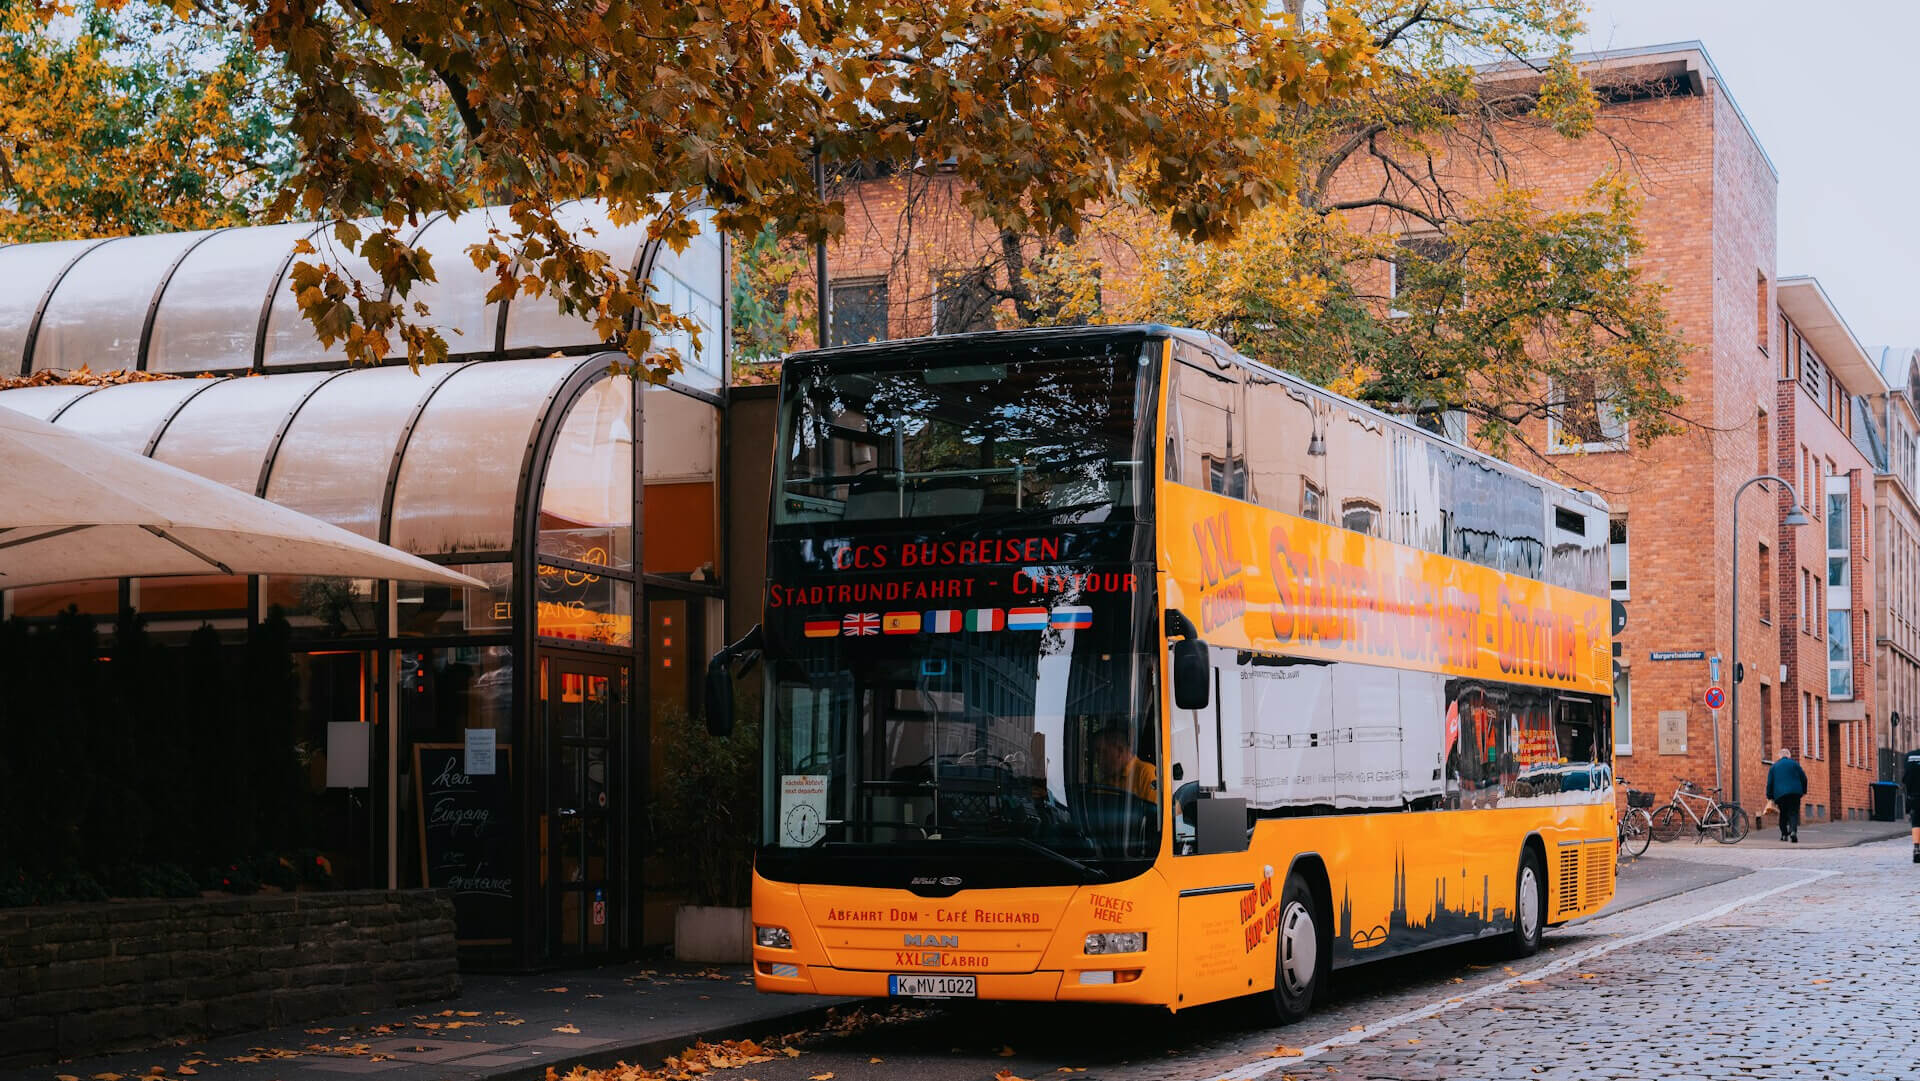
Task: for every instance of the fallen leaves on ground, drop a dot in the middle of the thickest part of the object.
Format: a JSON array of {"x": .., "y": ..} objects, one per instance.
[
  {"x": 1356, "y": 1028},
  {"x": 514, "y": 1021},
  {"x": 828, "y": 1076},
  {"x": 569, "y": 1029},
  {"x": 1006, "y": 1051},
  {"x": 1007, "y": 1075},
  {"x": 555, "y": 990},
  {"x": 1823, "y": 981},
  {"x": 1283, "y": 1051},
  {"x": 318, "y": 1031},
  {"x": 1589, "y": 975}
]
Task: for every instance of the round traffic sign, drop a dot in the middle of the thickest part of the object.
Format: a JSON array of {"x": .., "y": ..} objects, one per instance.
[{"x": 1716, "y": 698}]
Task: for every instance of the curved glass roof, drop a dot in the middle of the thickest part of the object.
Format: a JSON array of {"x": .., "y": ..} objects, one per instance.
[
  {"x": 448, "y": 442},
  {"x": 187, "y": 303}
]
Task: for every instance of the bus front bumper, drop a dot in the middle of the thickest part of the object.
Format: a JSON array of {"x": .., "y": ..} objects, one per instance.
[{"x": 1089, "y": 985}]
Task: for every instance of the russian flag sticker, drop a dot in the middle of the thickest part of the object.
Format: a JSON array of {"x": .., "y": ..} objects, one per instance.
[
  {"x": 1026, "y": 619},
  {"x": 986, "y": 619},
  {"x": 946, "y": 621},
  {"x": 823, "y": 628},
  {"x": 1073, "y": 617}
]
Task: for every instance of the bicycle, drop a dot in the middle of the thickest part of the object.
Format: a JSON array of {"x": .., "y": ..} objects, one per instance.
[
  {"x": 1728, "y": 823},
  {"x": 1636, "y": 824}
]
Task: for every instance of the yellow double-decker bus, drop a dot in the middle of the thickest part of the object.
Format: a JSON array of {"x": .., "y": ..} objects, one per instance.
[{"x": 1108, "y": 665}]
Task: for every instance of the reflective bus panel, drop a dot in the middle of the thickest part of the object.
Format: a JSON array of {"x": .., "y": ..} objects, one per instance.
[{"x": 1107, "y": 665}]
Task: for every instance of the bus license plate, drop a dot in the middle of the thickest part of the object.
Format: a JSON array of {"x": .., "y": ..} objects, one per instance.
[{"x": 917, "y": 986}]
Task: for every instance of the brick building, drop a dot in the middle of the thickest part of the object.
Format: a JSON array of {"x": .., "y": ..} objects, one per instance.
[
  {"x": 1825, "y": 444},
  {"x": 1896, "y": 537},
  {"x": 1709, "y": 220}
]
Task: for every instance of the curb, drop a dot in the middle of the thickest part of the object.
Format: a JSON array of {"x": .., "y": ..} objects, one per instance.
[{"x": 651, "y": 1051}]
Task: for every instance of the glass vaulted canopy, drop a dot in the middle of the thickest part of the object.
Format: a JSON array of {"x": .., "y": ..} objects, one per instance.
[{"x": 220, "y": 301}]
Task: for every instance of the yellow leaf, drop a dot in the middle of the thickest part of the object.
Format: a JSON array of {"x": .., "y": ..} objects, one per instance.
[
  {"x": 1283, "y": 1051},
  {"x": 1007, "y": 1075},
  {"x": 1589, "y": 975},
  {"x": 1006, "y": 1051},
  {"x": 821, "y": 1077},
  {"x": 875, "y": 1059},
  {"x": 568, "y": 1028},
  {"x": 559, "y": 989},
  {"x": 1823, "y": 981},
  {"x": 1356, "y": 1028}
]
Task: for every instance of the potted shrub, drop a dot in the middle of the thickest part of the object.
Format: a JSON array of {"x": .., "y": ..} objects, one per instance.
[{"x": 705, "y": 822}]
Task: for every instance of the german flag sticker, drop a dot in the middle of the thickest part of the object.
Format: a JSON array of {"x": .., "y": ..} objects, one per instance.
[{"x": 823, "y": 628}]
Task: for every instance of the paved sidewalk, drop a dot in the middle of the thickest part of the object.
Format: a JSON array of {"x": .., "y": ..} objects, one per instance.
[
  {"x": 502, "y": 1027},
  {"x": 1812, "y": 835}
]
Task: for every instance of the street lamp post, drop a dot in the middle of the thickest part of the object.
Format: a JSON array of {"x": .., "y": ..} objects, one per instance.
[{"x": 1795, "y": 518}]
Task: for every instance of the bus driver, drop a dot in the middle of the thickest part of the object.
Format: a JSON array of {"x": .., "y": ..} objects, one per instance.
[{"x": 1116, "y": 766}]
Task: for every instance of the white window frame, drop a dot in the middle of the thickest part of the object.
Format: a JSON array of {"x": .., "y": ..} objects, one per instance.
[
  {"x": 1608, "y": 418},
  {"x": 1839, "y": 598},
  {"x": 1625, "y": 592},
  {"x": 1623, "y": 713}
]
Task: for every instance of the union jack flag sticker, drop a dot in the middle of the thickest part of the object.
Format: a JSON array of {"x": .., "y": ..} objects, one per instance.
[{"x": 857, "y": 623}]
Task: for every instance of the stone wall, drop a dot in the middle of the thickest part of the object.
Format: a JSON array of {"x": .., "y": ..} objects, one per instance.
[{"x": 83, "y": 979}]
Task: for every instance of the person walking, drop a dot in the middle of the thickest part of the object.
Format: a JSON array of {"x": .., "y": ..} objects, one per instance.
[
  {"x": 1786, "y": 783},
  {"x": 1910, "y": 780}
]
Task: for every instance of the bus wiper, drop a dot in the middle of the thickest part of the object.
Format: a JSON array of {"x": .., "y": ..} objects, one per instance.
[
  {"x": 1087, "y": 870},
  {"x": 1022, "y": 514}
]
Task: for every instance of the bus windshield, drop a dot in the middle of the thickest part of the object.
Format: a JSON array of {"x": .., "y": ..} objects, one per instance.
[
  {"x": 1010, "y": 433},
  {"x": 1041, "y": 738}
]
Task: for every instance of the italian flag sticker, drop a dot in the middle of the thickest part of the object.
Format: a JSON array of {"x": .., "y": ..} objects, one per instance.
[{"x": 986, "y": 619}]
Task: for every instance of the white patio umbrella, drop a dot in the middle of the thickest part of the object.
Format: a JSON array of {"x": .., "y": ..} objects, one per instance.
[{"x": 72, "y": 507}]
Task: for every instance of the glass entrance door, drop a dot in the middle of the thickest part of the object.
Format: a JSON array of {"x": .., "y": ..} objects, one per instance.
[{"x": 585, "y": 799}]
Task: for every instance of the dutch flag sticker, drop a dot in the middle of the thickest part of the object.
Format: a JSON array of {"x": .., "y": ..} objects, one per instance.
[
  {"x": 1026, "y": 619},
  {"x": 1073, "y": 617}
]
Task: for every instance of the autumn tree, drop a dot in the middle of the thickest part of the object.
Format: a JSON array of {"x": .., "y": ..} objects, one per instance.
[
  {"x": 115, "y": 120},
  {"x": 1413, "y": 264},
  {"x": 1047, "y": 108}
]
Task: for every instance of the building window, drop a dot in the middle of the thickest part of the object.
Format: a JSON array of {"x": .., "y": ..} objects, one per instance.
[
  {"x": 1310, "y": 500},
  {"x": 1839, "y": 588},
  {"x": 1622, "y": 713},
  {"x": 1766, "y": 584},
  {"x": 859, "y": 312},
  {"x": 963, "y": 301},
  {"x": 1617, "y": 558},
  {"x": 1763, "y": 311},
  {"x": 1581, "y": 417},
  {"x": 1813, "y": 376},
  {"x": 1403, "y": 267}
]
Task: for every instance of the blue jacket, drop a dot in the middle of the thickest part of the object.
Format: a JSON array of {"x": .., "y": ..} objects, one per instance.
[{"x": 1786, "y": 778}]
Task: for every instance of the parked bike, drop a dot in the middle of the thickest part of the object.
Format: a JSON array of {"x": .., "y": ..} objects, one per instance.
[
  {"x": 1705, "y": 811},
  {"x": 1636, "y": 824}
]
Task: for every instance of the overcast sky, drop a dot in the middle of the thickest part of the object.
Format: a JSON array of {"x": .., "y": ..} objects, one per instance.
[{"x": 1830, "y": 90}]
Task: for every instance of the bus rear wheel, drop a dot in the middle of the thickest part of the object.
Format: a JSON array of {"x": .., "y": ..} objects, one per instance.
[
  {"x": 1300, "y": 957},
  {"x": 1529, "y": 906}
]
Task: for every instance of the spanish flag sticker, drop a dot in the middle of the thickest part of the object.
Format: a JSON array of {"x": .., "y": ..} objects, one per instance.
[{"x": 900, "y": 623}]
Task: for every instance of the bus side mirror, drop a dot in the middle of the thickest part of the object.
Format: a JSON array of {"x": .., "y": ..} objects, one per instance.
[
  {"x": 718, "y": 699},
  {"x": 1192, "y": 675}
]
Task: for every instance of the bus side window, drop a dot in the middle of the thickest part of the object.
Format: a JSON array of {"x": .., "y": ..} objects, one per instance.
[
  {"x": 1206, "y": 441},
  {"x": 1286, "y": 448}
]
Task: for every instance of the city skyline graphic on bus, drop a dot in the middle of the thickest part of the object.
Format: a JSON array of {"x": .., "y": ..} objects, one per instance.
[{"x": 1441, "y": 923}]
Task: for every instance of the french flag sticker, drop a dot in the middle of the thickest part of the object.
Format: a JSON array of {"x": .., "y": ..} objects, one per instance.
[
  {"x": 1073, "y": 617},
  {"x": 1026, "y": 619},
  {"x": 946, "y": 621}
]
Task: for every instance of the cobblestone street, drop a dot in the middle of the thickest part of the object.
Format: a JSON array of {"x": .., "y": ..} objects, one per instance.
[{"x": 1801, "y": 967}]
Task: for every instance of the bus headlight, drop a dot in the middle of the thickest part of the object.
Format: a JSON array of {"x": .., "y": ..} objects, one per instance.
[
  {"x": 774, "y": 938},
  {"x": 1116, "y": 942}
]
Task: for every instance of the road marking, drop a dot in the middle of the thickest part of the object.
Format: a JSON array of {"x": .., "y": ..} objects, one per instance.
[{"x": 1348, "y": 1039}]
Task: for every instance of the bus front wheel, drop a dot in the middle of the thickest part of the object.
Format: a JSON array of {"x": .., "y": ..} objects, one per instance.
[
  {"x": 1529, "y": 906},
  {"x": 1299, "y": 954}
]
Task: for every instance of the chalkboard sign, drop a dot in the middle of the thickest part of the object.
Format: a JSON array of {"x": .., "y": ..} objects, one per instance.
[{"x": 466, "y": 839}]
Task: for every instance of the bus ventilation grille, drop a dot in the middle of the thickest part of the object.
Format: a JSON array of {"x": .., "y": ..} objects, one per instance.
[
  {"x": 1567, "y": 897},
  {"x": 1597, "y": 877}
]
